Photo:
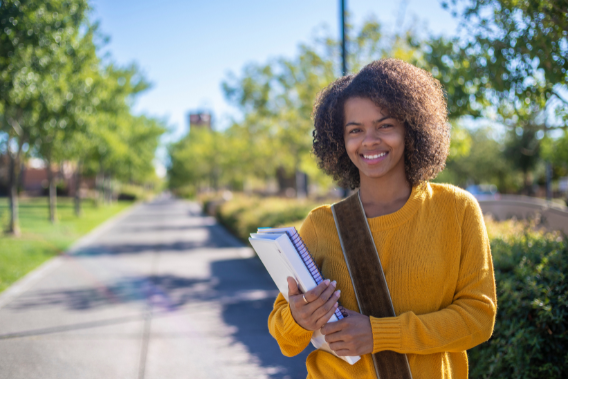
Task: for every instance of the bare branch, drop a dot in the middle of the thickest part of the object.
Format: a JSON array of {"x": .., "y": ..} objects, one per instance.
[
  {"x": 16, "y": 126},
  {"x": 560, "y": 97}
]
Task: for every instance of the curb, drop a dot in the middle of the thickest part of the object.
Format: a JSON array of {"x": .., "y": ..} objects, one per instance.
[{"x": 30, "y": 278}]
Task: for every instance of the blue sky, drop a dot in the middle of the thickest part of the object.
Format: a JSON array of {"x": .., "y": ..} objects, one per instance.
[{"x": 185, "y": 48}]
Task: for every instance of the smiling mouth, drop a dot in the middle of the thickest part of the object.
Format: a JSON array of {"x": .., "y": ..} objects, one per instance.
[{"x": 373, "y": 156}]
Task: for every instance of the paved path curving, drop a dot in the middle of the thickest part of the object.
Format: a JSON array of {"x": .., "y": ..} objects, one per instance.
[{"x": 160, "y": 292}]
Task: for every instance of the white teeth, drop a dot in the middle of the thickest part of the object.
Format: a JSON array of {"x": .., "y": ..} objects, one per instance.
[{"x": 374, "y": 156}]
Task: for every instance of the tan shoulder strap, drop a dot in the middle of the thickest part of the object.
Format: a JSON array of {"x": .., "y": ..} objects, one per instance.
[{"x": 368, "y": 278}]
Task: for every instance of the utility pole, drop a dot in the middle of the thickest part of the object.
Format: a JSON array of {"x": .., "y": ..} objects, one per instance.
[
  {"x": 343, "y": 11},
  {"x": 345, "y": 191}
]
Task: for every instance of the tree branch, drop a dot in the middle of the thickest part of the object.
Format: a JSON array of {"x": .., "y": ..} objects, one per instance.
[
  {"x": 16, "y": 126},
  {"x": 559, "y": 97}
]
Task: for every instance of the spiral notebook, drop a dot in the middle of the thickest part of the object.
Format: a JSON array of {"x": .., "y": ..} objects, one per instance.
[{"x": 284, "y": 254}]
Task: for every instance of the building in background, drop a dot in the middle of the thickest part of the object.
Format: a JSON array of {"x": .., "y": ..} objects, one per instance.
[{"x": 201, "y": 119}]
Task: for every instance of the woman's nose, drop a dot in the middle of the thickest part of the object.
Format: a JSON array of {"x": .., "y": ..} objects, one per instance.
[{"x": 371, "y": 137}]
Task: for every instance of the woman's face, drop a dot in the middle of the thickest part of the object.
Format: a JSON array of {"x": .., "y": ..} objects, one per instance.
[{"x": 374, "y": 141}]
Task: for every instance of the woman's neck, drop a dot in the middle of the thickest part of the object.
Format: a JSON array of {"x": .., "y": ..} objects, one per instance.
[{"x": 384, "y": 195}]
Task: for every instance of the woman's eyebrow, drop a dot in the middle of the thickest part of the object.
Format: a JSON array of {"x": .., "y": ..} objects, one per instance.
[{"x": 377, "y": 121}]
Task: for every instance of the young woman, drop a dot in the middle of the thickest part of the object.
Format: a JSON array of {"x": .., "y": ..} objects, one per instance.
[{"x": 385, "y": 131}]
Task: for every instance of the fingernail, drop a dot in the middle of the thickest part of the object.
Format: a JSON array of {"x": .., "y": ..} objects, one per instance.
[
  {"x": 327, "y": 281},
  {"x": 334, "y": 283},
  {"x": 338, "y": 292}
]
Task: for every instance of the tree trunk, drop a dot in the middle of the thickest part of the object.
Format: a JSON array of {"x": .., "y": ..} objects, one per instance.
[
  {"x": 100, "y": 186},
  {"x": 14, "y": 163},
  {"x": 301, "y": 184},
  {"x": 528, "y": 183},
  {"x": 13, "y": 227},
  {"x": 51, "y": 192},
  {"x": 214, "y": 178},
  {"x": 108, "y": 189},
  {"x": 298, "y": 178},
  {"x": 77, "y": 197},
  {"x": 549, "y": 195}
]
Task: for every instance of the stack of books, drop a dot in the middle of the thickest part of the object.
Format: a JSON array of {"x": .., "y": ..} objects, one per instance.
[{"x": 284, "y": 254}]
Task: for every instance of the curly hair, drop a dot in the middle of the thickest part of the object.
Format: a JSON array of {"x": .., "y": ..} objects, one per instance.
[{"x": 409, "y": 94}]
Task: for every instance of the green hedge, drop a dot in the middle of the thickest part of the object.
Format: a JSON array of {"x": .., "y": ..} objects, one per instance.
[
  {"x": 186, "y": 192},
  {"x": 130, "y": 192},
  {"x": 244, "y": 214},
  {"x": 530, "y": 338}
]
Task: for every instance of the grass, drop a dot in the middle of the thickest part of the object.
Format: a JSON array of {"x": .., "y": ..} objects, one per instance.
[{"x": 40, "y": 240}]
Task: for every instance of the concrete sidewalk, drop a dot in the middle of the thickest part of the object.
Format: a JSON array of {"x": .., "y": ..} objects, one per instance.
[{"x": 162, "y": 292}]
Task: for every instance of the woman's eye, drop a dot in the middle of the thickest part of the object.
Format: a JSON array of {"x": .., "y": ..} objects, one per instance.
[
  {"x": 386, "y": 125},
  {"x": 354, "y": 131}
]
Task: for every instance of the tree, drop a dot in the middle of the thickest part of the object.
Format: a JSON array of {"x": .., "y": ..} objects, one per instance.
[
  {"x": 66, "y": 104},
  {"x": 29, "y": 52},
  {"x": 517, "y": 50},
  {"x": 556, "y": 152},
  {"x": 113, "y": 134},
  {"x": 477, "y": 157},
  {"x": 196, "y": 158},
  {"x": 508, "y": 63},
  {"x": 276, "y": 98}
]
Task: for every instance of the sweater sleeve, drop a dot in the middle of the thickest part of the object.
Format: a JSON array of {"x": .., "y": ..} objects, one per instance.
[
  {"x": 469, "y": 319},
  {"x": 291, "y": 337}
]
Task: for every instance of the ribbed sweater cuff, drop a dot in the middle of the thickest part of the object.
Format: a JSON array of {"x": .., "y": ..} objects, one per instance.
[
  {"x": 386, "y": 334},
  {"x": 292, "y": 329}
]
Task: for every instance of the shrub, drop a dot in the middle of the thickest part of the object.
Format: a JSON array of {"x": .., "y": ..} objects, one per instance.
[
  {"x": 186, "y": 192},
  {"x": 530, "y": 338},
  {"x": 211, "y": 201},
  {"x": 130, "y": 192},
  {"x": 244, "y": 214}
]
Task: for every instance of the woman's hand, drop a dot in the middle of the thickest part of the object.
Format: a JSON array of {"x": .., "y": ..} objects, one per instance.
[
  {"x": 319, "y": 306},
  {"x": 351, "y": 336}
]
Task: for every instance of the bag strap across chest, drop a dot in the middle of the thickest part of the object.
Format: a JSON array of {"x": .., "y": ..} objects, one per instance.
[{"x": 368, "y": 278}]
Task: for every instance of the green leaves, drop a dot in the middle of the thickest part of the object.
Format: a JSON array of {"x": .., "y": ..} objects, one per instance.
[
  {"x": 556, "y": 152},
  {"x": 276, "y": 100},
  {"x": 530, "y": 338},
  {"x": 58, "y": 97},
  {"x": 518, "y": 50}
]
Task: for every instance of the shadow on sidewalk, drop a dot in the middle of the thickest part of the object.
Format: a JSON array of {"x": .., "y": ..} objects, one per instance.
[
  {"x": 250, "y": 316},
  {"x": 166, "y": 291},
  {"x": 241, "y": 285}
]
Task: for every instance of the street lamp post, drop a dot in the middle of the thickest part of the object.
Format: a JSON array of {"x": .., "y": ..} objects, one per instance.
[
  {"x": 345, "y": 191},
  {"x": 343, "y": 11}
]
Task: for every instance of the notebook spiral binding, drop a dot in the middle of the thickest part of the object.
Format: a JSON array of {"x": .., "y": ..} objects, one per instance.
[{"x": 309, "y": 261}]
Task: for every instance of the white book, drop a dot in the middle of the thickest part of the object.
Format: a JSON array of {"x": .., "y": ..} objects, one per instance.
[{"x": 284, "y": 254}]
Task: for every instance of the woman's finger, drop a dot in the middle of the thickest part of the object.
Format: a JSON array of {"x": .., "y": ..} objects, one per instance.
[
  {"x": 351, "y": 312},
  {"x": 323, "y": 309},
  {"x": 325, "y": 318},
  {"x": 314, "y": 294},
  {"x": 337, "y": 346},
  {"x": 324, "y": 297},
  {"x": 297, "y": 303},
  {"x": 322, "y": 304},
  {"x": 292, "y": 286}
]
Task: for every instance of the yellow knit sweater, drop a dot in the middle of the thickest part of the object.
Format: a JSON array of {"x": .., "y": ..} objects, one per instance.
[{"x": 437, "y": 262}]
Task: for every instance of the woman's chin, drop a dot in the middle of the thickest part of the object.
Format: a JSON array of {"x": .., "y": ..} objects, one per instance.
[{"x": 374, "y": 174}]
